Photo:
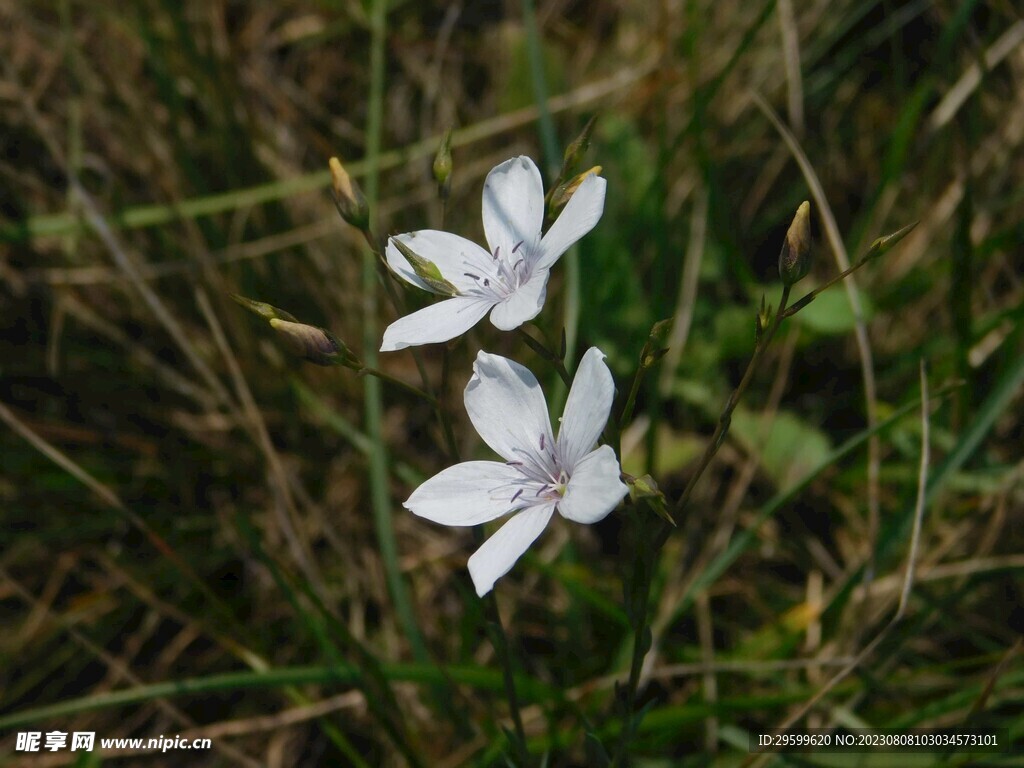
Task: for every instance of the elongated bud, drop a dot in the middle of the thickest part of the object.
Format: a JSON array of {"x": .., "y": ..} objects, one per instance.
[
  {"x": 264, "y": 310},
  {"x": 348, "y": 197},
  {"x": 425, "y": 270},
  {"x": 577, "y": 149},
  {"x": 443, "y": 166},
  {"x": 764, "y": 317},
  {"x": 317, "y": 345},
  {"x": 795, "y": 257},
  {"x": 883, "y": 244},
  {"x": 564, "y": 192}
]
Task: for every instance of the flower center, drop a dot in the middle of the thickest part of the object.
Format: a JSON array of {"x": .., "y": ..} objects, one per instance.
[
  {"x": 543, "y": 479},
  {"x": 504, "y": 278}
]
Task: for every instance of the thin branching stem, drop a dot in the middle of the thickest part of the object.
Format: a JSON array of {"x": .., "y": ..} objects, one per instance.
[
  {"x": 725, "y": 419},
  {"x": 640, "y": 646}
]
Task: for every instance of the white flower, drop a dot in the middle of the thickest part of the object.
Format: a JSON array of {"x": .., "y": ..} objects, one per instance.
[
  {"x": 540, "y": 474},
  {"x": 512, "y": 277}
]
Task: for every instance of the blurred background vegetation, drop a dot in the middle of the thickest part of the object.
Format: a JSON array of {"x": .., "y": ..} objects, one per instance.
[{"x": 187, "y": 511}]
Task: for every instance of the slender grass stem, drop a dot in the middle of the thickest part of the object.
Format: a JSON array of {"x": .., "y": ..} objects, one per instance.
[{"x": 378, "y": 460}]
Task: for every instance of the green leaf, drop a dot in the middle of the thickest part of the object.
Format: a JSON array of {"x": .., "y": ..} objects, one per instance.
[
  {"x": 830, "y": 313},
  {"x": 788, "y": 447}
]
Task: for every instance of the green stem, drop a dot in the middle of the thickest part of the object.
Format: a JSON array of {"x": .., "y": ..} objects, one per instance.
[
  {"x": 377, "y": 373},
  {"x": 634, "y": 390},
  {"x": 725, "y": 419},
  {"x": 647, "y": 551},
  {"x": 496, "y": 632},
  {"x": 541, "y": 349}
]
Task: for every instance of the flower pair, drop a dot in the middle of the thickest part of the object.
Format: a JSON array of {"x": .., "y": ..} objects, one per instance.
[{"x": 541, "y": 473}]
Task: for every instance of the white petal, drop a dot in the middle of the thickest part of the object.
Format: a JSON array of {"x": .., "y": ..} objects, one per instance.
[
  {"x": 469, "y": 493},
  {"x": 579, "y": 216},
  {"x": 499, "y": 553},
  {"x": 453, "y": 255},
  {"x": 507, "y": 407},
  {"x": 594, "y": 489},
  {"x": 523, "y": 305},
  {"x": 438, "y": 322},
  {"x": 513, "y": 205},
  {"x": 586, "y": 409}
]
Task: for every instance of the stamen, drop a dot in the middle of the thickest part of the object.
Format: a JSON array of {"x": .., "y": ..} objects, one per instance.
[
  {"x": 542, "y": 442},
  {"x": 516, "y": 246},
  {"x": 497, "y": 249},
  {"x": 518, "y": 494},
  {"x": 471, "y": 275},
  {"x": 487, "y": 283},
  {"x": 513, "y": 463}
]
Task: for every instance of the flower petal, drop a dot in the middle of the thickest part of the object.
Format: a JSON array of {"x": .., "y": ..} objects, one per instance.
[
  {"x": 499, "y": 553},
  {"x": 454, "y": 256},
  {"x": 579, "y": 216},
  {"x": 438, "y": 322},
  {"x": 469, "y": 493},
  {"x": 507, "y": 407},
  {"x": 524, "y": 304},
  {"x": 513, "y": 205},
  {"x": 586, "y": 409},
  {"x": 594, "y": 489}
]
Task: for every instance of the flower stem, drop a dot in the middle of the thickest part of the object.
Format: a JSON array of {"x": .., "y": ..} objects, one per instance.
[
  {"x": 496, "y": 633},
  {"x": 634, "y": 390},
  {"x": 725, "y": 419},
  {"x": 647, "y": 550},
  {"x": 541, "y": 349},
  {"x": 367, "y": 370}
]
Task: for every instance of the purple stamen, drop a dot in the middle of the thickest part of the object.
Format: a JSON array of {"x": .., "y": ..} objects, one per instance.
[
  {"x": 518, "y": 494},
  {"x": 516, "y": 246},
  {"x": 471, "y": 275},
  {"x": 542, "y": 442},
  {"x": 497, "y": 249}
]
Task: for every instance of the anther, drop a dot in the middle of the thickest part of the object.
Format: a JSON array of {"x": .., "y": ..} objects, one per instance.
[{"x": 516, "y": 246}]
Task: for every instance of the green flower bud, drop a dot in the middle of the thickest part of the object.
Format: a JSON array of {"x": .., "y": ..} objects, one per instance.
[
  {"x": 795, "y": 257},
  {"x": 443, "y": 166},
  {"x": 425, "y": 270},
  {"x": 577, "y": 149},
  {"x": 348, "y": 197}
]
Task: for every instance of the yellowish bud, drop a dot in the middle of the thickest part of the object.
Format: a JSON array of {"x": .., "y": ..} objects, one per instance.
[
  {"x": 348, "y": 197},
  {"x": 795, "y": 257}
]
